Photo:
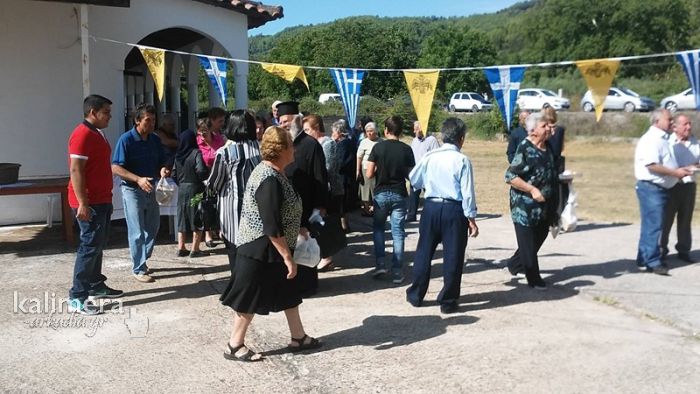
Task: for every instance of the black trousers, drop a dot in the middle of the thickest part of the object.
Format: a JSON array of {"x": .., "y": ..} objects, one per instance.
[
  {"x": 231, "y": 251},
  {"x": 681, "y": 203},
  {"x": 441, "y": 222},
  {"x": 530, "y": 240},
  {"x": 413, "y": 203}
]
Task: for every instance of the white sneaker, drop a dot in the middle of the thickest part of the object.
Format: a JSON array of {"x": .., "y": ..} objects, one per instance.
[{"x": 145, "y": 278}]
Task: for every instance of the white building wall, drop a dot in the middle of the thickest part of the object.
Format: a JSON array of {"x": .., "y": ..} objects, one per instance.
[
  {"x": 40, "y": 76},
  {"x": 40, "y": 96}
]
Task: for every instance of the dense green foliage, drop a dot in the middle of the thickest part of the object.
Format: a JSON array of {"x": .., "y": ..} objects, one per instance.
[{"x": 528, "y": 32}]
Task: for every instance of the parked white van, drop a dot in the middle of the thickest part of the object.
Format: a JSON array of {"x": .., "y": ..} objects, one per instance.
[
  {"x": 326, "y": 97},
  {"x": 468, "y": 101}
]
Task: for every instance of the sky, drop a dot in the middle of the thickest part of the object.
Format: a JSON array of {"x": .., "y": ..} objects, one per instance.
[{"x": 306, "y": 12}]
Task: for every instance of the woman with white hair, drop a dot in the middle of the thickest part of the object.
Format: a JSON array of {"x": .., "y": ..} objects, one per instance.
[
  {"x": 532, "y": 176},
  {"x": 363, "y": 151}
]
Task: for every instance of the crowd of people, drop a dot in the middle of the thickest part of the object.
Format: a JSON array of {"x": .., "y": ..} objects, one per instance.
[{"x": 261, "y": 189}]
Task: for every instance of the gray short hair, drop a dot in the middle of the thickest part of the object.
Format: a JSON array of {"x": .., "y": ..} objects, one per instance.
[
  {"x": 532, "y": 120},
  {"x": 371, "y": 125},
  {"x": 453, "y": 130},
  {"x": 656, "y": 115},
  {"x": 340, "y": 125},
  {"x": 677, "y": 118}
]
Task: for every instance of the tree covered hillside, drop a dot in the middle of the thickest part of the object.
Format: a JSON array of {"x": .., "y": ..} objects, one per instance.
[{"x": 530, "y": 31}]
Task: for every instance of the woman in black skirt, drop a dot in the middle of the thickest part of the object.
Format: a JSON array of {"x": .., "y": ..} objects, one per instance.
[
  {"x": 191, "y": 172},
  {"x": 263, "y": 280}
]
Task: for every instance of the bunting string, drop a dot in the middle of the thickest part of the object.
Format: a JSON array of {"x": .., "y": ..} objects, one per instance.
[{"x": 468, "y": 68}]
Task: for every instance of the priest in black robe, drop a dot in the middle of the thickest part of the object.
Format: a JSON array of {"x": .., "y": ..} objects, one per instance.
[{"x": 310, "y": 179}]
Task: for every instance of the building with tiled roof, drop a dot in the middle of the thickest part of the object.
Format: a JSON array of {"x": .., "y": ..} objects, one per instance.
[{"x": 55, "y": 53}]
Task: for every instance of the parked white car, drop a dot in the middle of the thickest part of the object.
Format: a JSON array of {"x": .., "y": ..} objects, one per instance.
[
  {"x": 680, "y": 101},
  {"x": 537, "y": 99},
  {"x": 326, "y": 97},
  {"x": 620, "y": 99},
  {"x": 468, "y": 101}
]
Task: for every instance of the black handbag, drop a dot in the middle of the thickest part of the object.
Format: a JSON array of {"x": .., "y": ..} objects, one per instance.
[
  {"x": 330, "y": 236},
  {"x": 208, "y": 208}
]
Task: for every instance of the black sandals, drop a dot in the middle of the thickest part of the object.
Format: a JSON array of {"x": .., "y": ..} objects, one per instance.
[
  {"x": 313, "y": 343},
  {"x": 248, "y": 356}
]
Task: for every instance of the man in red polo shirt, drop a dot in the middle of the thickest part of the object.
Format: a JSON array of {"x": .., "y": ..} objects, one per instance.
[{"x": 90, "y": 196}]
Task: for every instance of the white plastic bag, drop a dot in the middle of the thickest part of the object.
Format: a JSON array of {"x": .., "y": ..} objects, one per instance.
[
  {"x": 316, "y": 217},
  {"x": 165, "y": 190},
  {"x": 568, "y": 219},
  {"x": 307, "y": 252}
]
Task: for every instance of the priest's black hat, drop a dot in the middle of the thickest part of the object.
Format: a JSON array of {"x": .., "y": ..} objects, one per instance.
[{"x": 288, "y": 108}]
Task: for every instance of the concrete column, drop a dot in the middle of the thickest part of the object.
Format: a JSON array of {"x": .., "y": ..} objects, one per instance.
[
  {"x": 139, "y": 95},
  {"x": 175, "y": 76},
  {"x": 130, "y": 93},
  {"x": 175, "y": 101},
  {"x": 193, "y": 102},
  {"x": 240, "y": 81},
  {"x": 214, "y": 98},
  {"x": 149, "y": 86}
]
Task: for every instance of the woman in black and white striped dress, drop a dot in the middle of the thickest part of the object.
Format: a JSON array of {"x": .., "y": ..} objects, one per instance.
[{"x": 232, "y": 167}]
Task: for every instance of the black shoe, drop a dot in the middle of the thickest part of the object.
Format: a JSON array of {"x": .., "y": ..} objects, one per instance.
[
  {"x": 538, "y": 285},
  {"x": 105, "y": 292},
  {"x": 685, "y": 257},
  {"x": 410, "y": 219},
  {"x": 415, "y": 304},
  {"x": 198, "y": 253},
  {"x": 449, "y": 308},
  {"x": 210, "y": 244},
  {"x": 659, "y": 270},
  {"x": 183, "y": 253}
]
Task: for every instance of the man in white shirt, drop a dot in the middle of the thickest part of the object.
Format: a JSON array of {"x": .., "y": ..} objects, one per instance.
[
  {"x": 657, "y": 172},
  {"x": 420, "y": 145},
  {"x": 681, "y": 200},
  {"x": 449, "y": 215}
]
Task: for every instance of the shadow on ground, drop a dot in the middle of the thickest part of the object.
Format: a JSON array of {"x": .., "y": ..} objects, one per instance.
[{"x": 381, "y": 332}]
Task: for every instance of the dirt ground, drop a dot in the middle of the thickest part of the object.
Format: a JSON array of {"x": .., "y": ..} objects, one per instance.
[
  {"x": 605, "y": 184},
  {"x": 603, "y": 325}
]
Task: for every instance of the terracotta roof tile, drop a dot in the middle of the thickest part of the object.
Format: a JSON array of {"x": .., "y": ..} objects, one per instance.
[{"x": 258, "y": 13}]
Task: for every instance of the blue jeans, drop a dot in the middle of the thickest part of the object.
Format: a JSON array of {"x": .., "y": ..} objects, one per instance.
[
  {"x": 142, "y": 221},
  {"x": 652, "y": 203},
  {"x": 87, "y": 272},
  {"x": 393, "y": 205}
]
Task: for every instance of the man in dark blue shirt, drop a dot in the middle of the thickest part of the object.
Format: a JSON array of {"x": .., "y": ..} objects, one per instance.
[
  {"x": 517, "y": 135},
  {"x": 139, "y": 159}
]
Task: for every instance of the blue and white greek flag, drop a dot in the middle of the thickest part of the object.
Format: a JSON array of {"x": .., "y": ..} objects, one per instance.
[
  {"x": 348, "y": 82},
  {"x": 691, "y": 65},
  {"x": 216, "y": 70},
  {"x": 505, "y": 83}
]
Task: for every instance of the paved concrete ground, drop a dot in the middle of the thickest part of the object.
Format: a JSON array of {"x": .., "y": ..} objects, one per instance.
[{"x": 602, "y": 327}]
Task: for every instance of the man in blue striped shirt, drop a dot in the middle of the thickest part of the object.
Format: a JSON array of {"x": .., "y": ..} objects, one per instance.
[{"x": 449, "y": 215}]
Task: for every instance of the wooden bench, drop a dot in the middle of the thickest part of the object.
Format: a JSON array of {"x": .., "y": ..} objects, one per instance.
[{"x": 46, "y": 186}]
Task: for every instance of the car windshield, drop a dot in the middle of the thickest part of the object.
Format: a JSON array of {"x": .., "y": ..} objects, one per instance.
[
  {"x": 479, "y": 97},
  {"x": 549, "y": 93},
  {"x": 629, "y": 92}
]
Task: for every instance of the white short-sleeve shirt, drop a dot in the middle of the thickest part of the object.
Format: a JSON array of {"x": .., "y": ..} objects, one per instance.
[{"x": 654, "y": 148}]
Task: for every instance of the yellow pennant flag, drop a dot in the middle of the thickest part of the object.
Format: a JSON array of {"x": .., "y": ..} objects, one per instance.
[
  {"x": 599, "y": 75},
  {"x": 286, "y": 71},
  {"x": 421, "y": 86},
  {"x": 155, "y": 60}
]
